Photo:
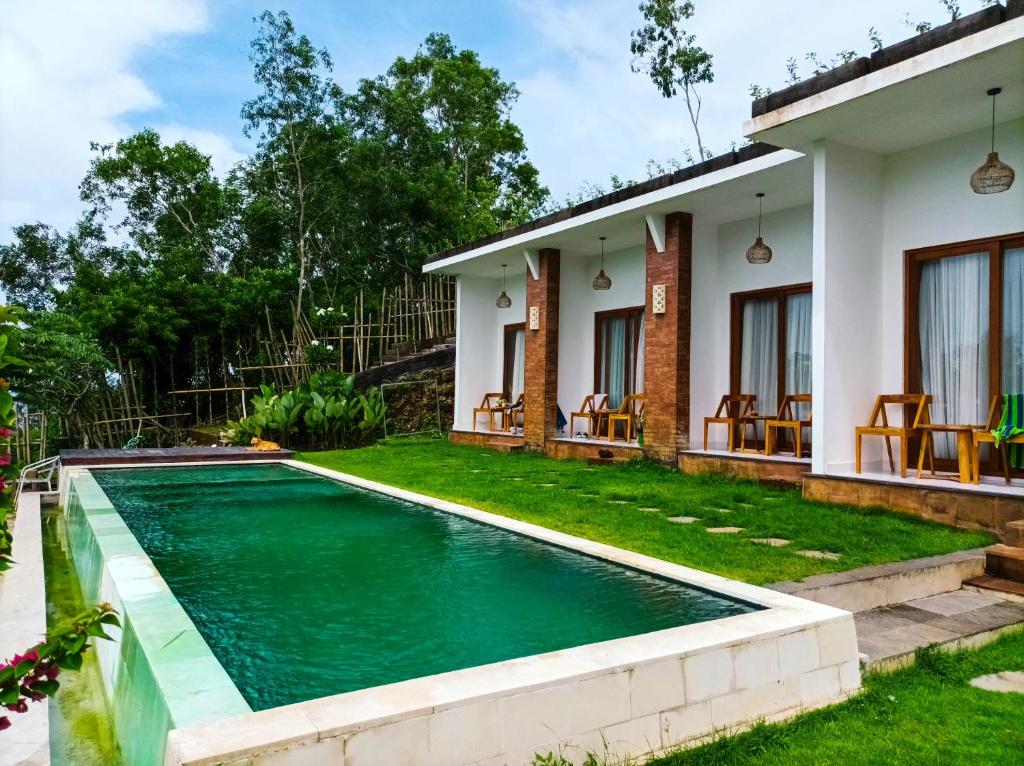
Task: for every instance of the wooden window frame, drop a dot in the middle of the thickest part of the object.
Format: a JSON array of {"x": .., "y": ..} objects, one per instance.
[
  {"x": 599, "y": 317},
  {"x": 913, "y": 260},
  {"x": 508, "y": 353},
  {"x": 781, "y": 294}
]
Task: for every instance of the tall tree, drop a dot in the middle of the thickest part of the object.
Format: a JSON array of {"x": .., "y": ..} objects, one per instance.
[
  {"x": 34, "y": 265},
  {"x": 669, "y": 55},
  {"x": 288, "y": 116}
]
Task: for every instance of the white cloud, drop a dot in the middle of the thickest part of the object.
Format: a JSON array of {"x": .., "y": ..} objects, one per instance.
[
  {"x": 585, "y": 115},
  {"x": 222, "y": 152},
  {"x": 68, "y": 80}
]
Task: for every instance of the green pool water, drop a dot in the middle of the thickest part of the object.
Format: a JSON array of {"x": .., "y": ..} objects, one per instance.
[{"x": 304, "y": 586}]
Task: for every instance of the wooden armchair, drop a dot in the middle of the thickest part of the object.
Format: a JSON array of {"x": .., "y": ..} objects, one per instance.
[
  {"x": 490, "y": 406},
  {"x": 789, "y": 421},
  {"x": 630, "y": 414},
  {"x": 921, "y": 404},
  {"x": 592, "y": 405},
  {"x": 731, "y": 410},
  {"x": 1011, "y": 415}
]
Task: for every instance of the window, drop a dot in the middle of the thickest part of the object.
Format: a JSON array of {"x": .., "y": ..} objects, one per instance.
[
  {"x": 515, "y": 360},
  {"x": 619, "y": 353},
  {"x": 771, "y": 344},
  {"x": 965, "y": 328}
]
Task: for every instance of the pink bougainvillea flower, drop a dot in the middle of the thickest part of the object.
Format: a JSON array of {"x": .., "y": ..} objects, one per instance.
[
  {"x": 18, "y": 707},
  {"x": 5, "y": 722},
  {"x": 5, "y": 459},
  {"x": 6, "y": 433}
]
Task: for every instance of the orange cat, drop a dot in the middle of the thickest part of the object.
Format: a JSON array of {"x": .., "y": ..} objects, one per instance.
[{"x": 260, "y": 445}]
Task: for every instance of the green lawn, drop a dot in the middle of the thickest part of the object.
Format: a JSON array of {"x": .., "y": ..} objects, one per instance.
[
  {"x": 925, "y": 714},
  {"x": 603, "y": 503}
]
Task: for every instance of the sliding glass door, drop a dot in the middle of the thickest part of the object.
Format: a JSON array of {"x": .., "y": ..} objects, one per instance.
[
  {"x": 771, "y": 344},
  {"x": 965, "y": 329},
  {"x": 618, "y": 353}
]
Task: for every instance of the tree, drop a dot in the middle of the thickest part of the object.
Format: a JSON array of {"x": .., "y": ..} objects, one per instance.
[
  {"x": 667, "y": 53},
  {"x": 288, "y": 116},
  {"x": 34, "y": 265}
]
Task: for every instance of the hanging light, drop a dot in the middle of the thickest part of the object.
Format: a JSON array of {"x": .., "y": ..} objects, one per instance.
[
  {"x": 503, "y": 302},
  {"x": 759, "y": 252},
  {"x": 602, "y": 281},
  {"x": 994, "y": 176}
]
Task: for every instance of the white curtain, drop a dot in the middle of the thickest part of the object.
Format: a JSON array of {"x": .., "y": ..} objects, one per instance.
[
  {"x": 1013, "y": 321},
  {"x": 518, "y": 364},
  {"x": 953, "y": 307},
  {"x": 639, "y": 389},
  {"x": 759, "y": 360},
  {"x": 798, "y": 347},
  {"x": 613, "y": 359}
]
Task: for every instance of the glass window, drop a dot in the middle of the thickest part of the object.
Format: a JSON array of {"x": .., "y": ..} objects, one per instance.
[
  {"x": 618, "y": 353},
  {"x": 515, "y": 360}
]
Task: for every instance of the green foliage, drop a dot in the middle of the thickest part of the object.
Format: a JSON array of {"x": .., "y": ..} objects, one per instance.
[
  {"x": 324, "y": 412},
  {"x": 32, "y": 676},
  {"x": 9, "y": 335}
]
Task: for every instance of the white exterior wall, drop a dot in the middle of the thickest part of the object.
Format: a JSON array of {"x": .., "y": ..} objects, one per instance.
[
  {"x": 720, "y": 269},
  {"x": 846, "y": 328},
  {"x": 578, "y": 302},
  {"x": 479, "y": 334}
]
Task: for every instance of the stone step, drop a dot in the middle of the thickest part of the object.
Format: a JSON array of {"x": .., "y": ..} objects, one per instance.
[
  {"x": 1005, "y": 562},
  {"x": 503, "y": 446},
  {"x": 1012, "y": 591},
  {"x": 1013, "y": 534}
]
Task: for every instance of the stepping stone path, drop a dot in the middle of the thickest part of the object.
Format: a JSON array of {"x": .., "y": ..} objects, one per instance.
[
  {"x": 545, "y": 485},
  {"x": 718, "y": 510},
  {"x": 648, "y": 509},
  {"x": 724, "y": 530},
  {"x": 746, "y": 505},
  {"x": 683, "y": 519},
  {"x": 1007, "y": 681},
  {"x": 774, "y": 542},
  {"x": 620, "y": 502},
  {"x": 828, "y": 555}
]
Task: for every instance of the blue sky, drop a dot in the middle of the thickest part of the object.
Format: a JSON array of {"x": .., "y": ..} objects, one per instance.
[{"x": 78, "y": 72}]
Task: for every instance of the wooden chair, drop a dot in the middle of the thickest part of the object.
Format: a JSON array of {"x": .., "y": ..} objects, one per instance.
[
  {"x": 731, "y": 409},
  {"x": 752, "y": 419},
  {"x": 592, "y": 404},
  {"x": 630, "y": 413},
  {"x": 1011, "y": 414},
  {"x": 788, "y": 420},
  {"x": 921, "y": 404},
  {"x": 489, "y": 406}
]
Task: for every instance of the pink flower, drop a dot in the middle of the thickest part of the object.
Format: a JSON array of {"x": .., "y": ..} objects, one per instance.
[
  {"x": 18, "y": 707},
  {"x": 5, "y": 722},
  {"x": 6, "y": 433},
  {"x": 5, "y": 459}
]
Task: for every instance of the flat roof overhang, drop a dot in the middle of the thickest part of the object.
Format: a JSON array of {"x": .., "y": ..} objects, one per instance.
[
  {"x": 938, "y": 94},
  {"x": 720, "y": 197}
]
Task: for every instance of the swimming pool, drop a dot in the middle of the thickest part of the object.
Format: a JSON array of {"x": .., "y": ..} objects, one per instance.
[{"x": 363, "y": 609}]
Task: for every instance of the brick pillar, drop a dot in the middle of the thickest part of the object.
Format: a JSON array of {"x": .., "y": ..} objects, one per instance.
[
  {"x": 667, "y": 342},
  {"x": 541, "y": 380}
]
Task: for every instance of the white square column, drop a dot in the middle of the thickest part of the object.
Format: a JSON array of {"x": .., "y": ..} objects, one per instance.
[{"x": 847, "y": 326}]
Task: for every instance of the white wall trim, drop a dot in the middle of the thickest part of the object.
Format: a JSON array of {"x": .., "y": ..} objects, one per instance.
[
  {"x": 656, "y": 226},
  {"x": 532, "y": 263}
]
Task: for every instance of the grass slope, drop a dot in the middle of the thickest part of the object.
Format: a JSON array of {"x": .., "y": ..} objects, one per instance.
[
  {"x": 925, "y": 714},
  {"x": 603, "y": 504}
]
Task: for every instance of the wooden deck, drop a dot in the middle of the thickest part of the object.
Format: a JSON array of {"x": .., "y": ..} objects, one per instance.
[{"x": 147, "y": 456}]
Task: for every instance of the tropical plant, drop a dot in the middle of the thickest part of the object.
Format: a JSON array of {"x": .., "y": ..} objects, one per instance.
[
  {"x": 32, "y": 676},
  {"x": 8, "y": 361},
  {"x": 323, "y": 412}
]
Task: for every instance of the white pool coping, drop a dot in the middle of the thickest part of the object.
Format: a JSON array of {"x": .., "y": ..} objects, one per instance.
[{"x": 634, "y": 695}]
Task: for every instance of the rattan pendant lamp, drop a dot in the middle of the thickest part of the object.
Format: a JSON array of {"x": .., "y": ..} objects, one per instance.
[
  {"x": 995, "y": 175},
  {"x": 602, "y": 281},
  {"x": 503, "y": 302},
  {"x": 759, "y": 252}
]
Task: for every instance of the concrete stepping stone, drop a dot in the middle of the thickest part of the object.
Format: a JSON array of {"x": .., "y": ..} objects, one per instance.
[
  {"x": 544, "y": 484},
  {"x": 746, "y": 505},
  {"x": 774, "y": 542},
  {"x": 715, "y": 509},
  {"x": 724, "y": 530},
  {"x": 621, "y": 502},
  {"x": 828, "y": 555},
  {"x": 683, "y": 519},
  {"x": 1007, "y": 681},
  {"x": 648, "y": 509}
]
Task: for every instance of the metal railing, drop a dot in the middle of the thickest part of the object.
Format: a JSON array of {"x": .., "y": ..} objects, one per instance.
[{"x": 42, "y": 470}]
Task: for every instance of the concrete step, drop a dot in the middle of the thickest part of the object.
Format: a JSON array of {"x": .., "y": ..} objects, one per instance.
[
  {"x": 1011, "y": 591},
  {"x": 1013, "y": 534},
  {"x": 1005, "y": 562},
  {"x": 503, "y": 446}
]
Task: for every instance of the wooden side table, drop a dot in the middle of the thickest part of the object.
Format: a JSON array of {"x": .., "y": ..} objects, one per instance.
[{"x": 964, "y": 448}]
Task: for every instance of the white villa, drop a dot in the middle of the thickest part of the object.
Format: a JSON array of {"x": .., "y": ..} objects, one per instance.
[{"x": 889, "y": 274}]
